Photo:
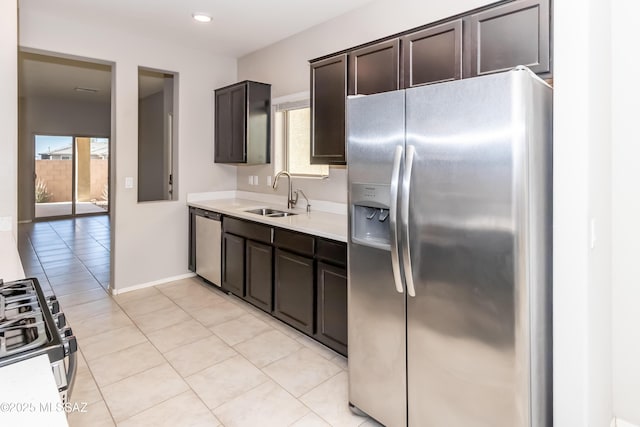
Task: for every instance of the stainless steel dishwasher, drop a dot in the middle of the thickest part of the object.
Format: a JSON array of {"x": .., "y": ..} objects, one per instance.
[{"x": 208, "y": 247}]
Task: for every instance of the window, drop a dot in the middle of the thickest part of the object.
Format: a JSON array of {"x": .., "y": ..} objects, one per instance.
[{"x": 292, "y": 133}]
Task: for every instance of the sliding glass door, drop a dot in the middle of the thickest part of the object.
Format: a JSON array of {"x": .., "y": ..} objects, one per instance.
[{"x": 71, "y": 176}]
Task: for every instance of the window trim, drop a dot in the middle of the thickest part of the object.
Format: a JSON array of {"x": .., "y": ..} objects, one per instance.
[{"x": 283, "y": 105}]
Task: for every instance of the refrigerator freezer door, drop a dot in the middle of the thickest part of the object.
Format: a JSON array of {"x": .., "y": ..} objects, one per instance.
[
  {"x": 376, "y": 316},
  {"x": 467, "y": 327}
]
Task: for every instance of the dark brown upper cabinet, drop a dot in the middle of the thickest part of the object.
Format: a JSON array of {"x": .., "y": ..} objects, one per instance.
[
  {"x": 328, "y": 96},
  {"x": 243, "y": 123},
  {"x": 506, "y": 36},
  {"x": 375, "y": 69},
  {"x": 433, "y": 55},
  {"x": 482, "y": 41}
]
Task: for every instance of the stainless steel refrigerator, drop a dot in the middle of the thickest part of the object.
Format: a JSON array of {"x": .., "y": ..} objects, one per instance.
[{"x": 450, "y": 253}]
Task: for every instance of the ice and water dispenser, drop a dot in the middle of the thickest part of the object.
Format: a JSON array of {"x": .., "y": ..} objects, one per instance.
[{"x": 370, "y": 222}]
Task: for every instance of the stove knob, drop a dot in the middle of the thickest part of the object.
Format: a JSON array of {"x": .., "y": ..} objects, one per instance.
[
  {"x": 61, "y": 320},
  {"x": 70, "y": 345},
  {"x": 54, "y": 304}
]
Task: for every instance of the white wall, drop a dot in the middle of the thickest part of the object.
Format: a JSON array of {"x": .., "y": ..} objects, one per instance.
[
  {"x": 51, "y": 116},
  {"x": 286, "y": 66},
  {"x": 150, "y": 239},
  {"x": 582, "y": 274},
  {"x": 626, "y": 211},
  {"x": 8, "y": 115}
]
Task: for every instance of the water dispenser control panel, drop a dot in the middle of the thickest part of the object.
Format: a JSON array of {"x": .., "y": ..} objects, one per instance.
[
  {"x": 370, "y": 215},
  {"x": 374, "y": 195}
]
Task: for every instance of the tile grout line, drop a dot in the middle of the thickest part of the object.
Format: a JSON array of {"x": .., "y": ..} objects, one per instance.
[
  {"x": 98, "y": 388},
  {"x": 269, "y": 378},
  {"x": 240, "y": 303},
  {"x": 163, "y": 356}
]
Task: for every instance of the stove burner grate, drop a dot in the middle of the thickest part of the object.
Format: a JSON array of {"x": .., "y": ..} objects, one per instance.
[{"x": 22, "y": 325}]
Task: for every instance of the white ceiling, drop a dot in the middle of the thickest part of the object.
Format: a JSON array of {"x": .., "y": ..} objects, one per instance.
[
  {"x": 238, "y": 28},
  {"x": 48, "y": 76}
]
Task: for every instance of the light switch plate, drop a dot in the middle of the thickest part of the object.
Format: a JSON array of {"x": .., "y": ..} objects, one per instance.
[
  {"x": 256, "y": 180},
  {"x": 6, "y": 223},
  {"x": 128, "y": 182}
]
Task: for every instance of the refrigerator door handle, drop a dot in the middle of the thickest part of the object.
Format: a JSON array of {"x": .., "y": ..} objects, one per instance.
[
  {"x": 393, "y": 218},
  {"x": 404, "y": 218}
]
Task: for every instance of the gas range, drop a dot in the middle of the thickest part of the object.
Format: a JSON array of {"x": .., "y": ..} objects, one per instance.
[{"x": 32, "y": 325}]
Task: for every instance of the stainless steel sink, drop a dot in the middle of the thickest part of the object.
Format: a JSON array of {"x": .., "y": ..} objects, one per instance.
[{"x": 273, "y": 213}]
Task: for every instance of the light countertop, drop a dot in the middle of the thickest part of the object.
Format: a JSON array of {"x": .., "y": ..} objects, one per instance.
[
  {"x": 29, "y": 395},
  {"x": 319, "y": 223}
]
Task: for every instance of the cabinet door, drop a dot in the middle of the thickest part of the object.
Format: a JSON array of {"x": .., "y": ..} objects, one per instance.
[
  {"x": 328, "y": 101},
  {"x": 433, "y": 55},
  {"x": 230, "y": 124},
  {"x": 258, "y": 276},
  {"x": 233, "y": 264},
  {"x": 332, "y": 307},
  {"x": 510, "y": 35},
  {"x": 293, "y": 290},
  {"x": 375, "y": 69}
]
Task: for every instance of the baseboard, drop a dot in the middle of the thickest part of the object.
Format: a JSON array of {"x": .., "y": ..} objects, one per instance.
[
  {"x": 150, "y": 284},
  {"x": 618, "y": 422}
]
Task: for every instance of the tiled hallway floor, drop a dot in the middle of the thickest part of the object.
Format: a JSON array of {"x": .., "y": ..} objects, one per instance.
[
  {"x": 181, "y": 353},
  {"x": 67, "y": 256}
]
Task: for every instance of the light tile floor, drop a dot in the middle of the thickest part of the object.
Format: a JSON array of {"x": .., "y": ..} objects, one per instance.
[{"x": 181, "y": 353}]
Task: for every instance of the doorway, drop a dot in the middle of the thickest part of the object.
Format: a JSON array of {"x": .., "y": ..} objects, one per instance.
[
  {"x": 71, "y": 176},
  {"x": 64, "y": 132}
]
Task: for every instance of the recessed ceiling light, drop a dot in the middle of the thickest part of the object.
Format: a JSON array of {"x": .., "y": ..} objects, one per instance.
[{"x": 201, "y": 17}]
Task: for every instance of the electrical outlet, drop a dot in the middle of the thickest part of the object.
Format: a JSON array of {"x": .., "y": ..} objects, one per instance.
[
  {"x": 269, "y": 181},
  {"x": 250, "y": 181},
  {"x": 256, "y": 180}
]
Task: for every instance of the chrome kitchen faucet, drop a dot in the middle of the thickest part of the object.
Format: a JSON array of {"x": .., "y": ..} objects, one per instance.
[{"x": 290, "y": 200}]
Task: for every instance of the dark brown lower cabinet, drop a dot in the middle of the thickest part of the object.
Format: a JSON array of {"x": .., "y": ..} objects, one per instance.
[
  {"x": 259, "y": 258},
  {"x": 233, "y": 264},
  {"x": 332, "y": 307},
  {"x": 294, "y": 290}
]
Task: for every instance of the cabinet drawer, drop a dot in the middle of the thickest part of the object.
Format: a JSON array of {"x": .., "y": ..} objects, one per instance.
[
  {"x": 250, "y": 230},
  {"x": 332, "y": 251},
  {"x": 295, "y": 242}
]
